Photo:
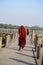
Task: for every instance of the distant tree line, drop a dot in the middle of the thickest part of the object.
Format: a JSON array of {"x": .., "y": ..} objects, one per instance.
[
  {"x": 36, "y": 28},
  {"x": 10, "y": 26}
]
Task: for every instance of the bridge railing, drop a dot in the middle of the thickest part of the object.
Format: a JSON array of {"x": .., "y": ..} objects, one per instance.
[
  {"x": 8, "y": 31},
  {"x": 39, "y": 50}
]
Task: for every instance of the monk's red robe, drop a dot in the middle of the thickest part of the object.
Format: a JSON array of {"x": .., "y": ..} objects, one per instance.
[{"x": 22, "y": 36}]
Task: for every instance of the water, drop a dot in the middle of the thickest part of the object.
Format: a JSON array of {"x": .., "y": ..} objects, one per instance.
[{"x": 39, "y": 33}]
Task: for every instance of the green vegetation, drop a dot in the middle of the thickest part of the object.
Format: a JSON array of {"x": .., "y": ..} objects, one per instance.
[
  {"x": 10, "y": 26},
  {"x": 42, "y": 42},
  {"x": 36, "y": 28}
]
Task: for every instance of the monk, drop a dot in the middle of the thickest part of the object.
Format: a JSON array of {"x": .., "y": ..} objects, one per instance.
[
  {"x": 27, "y": 31},
  {"x": 22, "y": 37}
]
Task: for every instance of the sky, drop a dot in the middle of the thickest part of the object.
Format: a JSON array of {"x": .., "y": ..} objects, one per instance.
[{"x": 21, "y": 12}]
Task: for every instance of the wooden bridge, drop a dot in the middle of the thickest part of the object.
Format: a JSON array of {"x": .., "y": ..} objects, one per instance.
[
  {"x": 11, "y": 55},
  {"x": 7, "y": 35},
  {"x": 8, "y": 31}
]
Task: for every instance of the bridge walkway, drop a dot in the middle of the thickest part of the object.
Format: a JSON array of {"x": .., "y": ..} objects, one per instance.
[{"x": 11, "y": 55}]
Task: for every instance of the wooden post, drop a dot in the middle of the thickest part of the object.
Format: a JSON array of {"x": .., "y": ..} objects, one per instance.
[
  {"x": 0, "y": 42},
  {"x": 8, "y": 40},
  {"x": 38, "y": 51},
  {"x": 42, "y": 61},
  {"x": 35, "y": 41}
]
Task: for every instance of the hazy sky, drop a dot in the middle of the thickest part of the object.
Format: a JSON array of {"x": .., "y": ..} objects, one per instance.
[{"x": 21, "y": 12}]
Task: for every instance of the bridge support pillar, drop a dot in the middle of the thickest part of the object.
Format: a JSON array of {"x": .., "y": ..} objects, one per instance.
[
  {"x": 13, "y": 37},
  {"x": 38, "y": 51},
  {"x": 0, "y": 42},
  {"x": 8, "y": 40},
  {"x": 42, "y": 61}
]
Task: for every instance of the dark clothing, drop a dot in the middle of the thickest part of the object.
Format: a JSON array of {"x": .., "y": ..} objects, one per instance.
[{"x": 27, "y": 32}]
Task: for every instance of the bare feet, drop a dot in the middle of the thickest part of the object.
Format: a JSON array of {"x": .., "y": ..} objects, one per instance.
[{"x": 20, "y": 49}]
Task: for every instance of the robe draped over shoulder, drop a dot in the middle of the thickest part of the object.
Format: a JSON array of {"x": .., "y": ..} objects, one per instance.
[{"x": 22, "y": 36}]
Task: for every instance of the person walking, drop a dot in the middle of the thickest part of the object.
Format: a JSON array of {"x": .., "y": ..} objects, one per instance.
[{"x": 22, "y": 37}]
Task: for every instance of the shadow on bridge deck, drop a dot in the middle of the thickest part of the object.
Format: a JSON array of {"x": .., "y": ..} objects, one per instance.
[
  {"x": 24, "y": 62},
  {"x": 26, "y": 49}
]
